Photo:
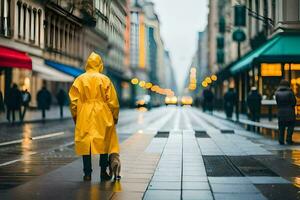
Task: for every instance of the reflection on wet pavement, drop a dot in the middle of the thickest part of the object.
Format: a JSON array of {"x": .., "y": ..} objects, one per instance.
[{"x": 264, "y": 169}]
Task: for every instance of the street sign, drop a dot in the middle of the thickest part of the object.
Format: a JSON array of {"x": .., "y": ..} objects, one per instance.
[{"x": 239, "y": 35}]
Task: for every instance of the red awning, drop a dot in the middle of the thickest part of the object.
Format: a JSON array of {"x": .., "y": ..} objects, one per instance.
[{"x": 14, "y": 58}]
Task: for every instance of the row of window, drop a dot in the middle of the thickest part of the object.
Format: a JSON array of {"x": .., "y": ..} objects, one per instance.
[
  {"x": 261, "y": 8},
  {"x": 102, "y": 25},
  {"x": 102, "y": 6},
  {"x": 116, "y": 59},
  {"x": 62, "y": 35},
  {"x": 29, "y": 27}
]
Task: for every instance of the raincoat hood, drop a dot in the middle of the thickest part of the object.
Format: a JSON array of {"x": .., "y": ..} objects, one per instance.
[{"x": 94, "y": 63}]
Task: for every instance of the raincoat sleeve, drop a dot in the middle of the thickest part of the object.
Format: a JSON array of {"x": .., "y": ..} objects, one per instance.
[
  {"x": 112, "y": 101},
  {"x": 74, "y": 96}
]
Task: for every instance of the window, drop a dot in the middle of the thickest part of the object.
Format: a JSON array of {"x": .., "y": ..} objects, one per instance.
[
  {"x": 56, "y": 33},
  {"x": 51, "y": 32},
  {"x": 61, "y": 35},
  {"x": 39, "y": 26},
  {"x": 250, "y": 20},
  {"x": 30, "y": 24},
  {"x": 19, "y": 4},
  {"x": 257, "y": 9},
  {"x": 34, "y": 25},
  {"x": 24, "y": 20},
  {"x": 66, "y": 36},
  {"x": 273, "y": 10},
  {"x": 266, "y": 15}
]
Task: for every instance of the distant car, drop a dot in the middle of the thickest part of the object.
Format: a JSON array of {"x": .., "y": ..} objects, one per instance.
[
  {"x": 171, "y": 100},
  {"x": 143, "y": 101},
  {"x": 186, "y": 100}
]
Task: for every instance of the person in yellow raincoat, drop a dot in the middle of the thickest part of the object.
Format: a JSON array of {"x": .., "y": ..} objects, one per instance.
[{"x": 95, "y": 108}]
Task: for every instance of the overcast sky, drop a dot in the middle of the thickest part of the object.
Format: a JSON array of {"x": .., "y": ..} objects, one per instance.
[{"x": 180, "y": 23}]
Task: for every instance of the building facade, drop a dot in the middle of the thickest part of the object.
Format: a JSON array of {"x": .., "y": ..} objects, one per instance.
[
  {"x": 147, "y": 51},
  {"x": 55, "y": 38},
  {"x": 267, "y": 54}
]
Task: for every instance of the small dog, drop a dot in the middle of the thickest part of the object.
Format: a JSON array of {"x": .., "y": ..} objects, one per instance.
[{"x": 114, "y": 166}]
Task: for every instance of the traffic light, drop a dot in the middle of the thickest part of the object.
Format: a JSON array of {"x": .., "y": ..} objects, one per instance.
[{"x": 239, "y": 15}]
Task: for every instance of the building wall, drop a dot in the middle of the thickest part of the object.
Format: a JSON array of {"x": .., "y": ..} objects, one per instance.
[
  {"x": 22, "y": 29},
  {"x": 117, "y": 25}
]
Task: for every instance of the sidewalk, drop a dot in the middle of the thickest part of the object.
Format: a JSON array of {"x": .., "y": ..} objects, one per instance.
[
  {"x": 243, "y": 119},
  {"x": 174, "y": 165},
  {"x": 66, "y": 182},
  {"x": 36, "y": 115}
]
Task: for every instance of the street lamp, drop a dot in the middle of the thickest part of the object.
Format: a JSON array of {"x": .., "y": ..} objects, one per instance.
[{"x": 134, "y": 81}]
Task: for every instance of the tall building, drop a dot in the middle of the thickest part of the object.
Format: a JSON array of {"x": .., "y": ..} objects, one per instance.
[
  {"x": 272, "y": 29},
  {"x": 116, "y": 55},
  {"x": 170, "y": 78},
  {"x": 138, "y": 59},
  {"x": 47, "y": 42},
  {"x": 147, "y": 51},
  {"x": 200, "y": 63}
]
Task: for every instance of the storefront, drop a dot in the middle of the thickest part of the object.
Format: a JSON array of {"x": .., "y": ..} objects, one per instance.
[
  {"x": 43, "y": 74},
  {"x": 15, "y": 67},
  {"x": 277, "y": 59}
]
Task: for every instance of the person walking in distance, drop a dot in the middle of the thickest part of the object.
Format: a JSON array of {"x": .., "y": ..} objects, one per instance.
[
  {"x": 26, "y": 98},
  {"x": 13, "y": 102},
  {"x": 2, "y": 106},
  {"x": 254, "y": 104},
  {"x": 61, "y": 97},
  {"x": 95, "y": 109},
  {"x": 208, "y": 98},
  {"x": 44, "y": 100},
  {"x": 286, "y": 102},
  {"x": 229, "y": 102}
]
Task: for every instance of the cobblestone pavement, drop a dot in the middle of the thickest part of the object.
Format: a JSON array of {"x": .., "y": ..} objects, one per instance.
[{"x": 166, "y": 153}]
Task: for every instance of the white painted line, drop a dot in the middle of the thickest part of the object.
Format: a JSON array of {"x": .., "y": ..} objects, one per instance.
[
  {"x": 11, "y": 142},
  {"x": 14, "y": 161},
  {"x": 10, "y": 162},
  {"x": 34, "y": 138},
  {"x": 48, "y": 135}
]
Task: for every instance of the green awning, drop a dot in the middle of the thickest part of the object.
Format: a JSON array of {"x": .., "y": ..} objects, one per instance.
[{"x": 283, "y": 48}]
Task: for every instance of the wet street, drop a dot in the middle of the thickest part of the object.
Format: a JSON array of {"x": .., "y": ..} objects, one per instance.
[{"x": 166, "y": 153}]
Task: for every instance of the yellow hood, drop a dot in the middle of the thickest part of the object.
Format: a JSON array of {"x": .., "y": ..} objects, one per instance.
[{"x": 94, "y": 63}]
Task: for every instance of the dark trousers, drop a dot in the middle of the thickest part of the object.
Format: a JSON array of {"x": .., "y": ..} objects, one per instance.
[
  {"x": 255, "y": 116},
  {"x": 43, "y": 114},
  {"x": 12, "y": 112},
  {"x": 61, "y": 109},
  {"x": 290, "y": 129},
  {"x": 87, "y": 163},
  {"x": 24, "y": 112}
]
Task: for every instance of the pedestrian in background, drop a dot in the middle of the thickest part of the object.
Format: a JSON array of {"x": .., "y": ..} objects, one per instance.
[
  {"x": 229, "y": 102},
  {"x": 62, "y": 99},
  {"x": 254, "y": 104},
  {"x": 26, "y": 98},
  {"x": 208, "y": 98},
  {"x": 286, "y": 102},
  {"x": 44, "y": 100},
  {"x": 13, "y": 102},
  {"x": 95, "y": 110},
  {"x": 2, "y": 106}
]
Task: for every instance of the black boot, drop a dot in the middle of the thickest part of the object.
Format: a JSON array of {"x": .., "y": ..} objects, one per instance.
[
  {"x": 104, "y": 176},
  {"x": 87, "y": 177}
]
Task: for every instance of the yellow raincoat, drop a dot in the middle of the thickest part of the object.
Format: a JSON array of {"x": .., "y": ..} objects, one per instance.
[{"x": 95, "y": 108}]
